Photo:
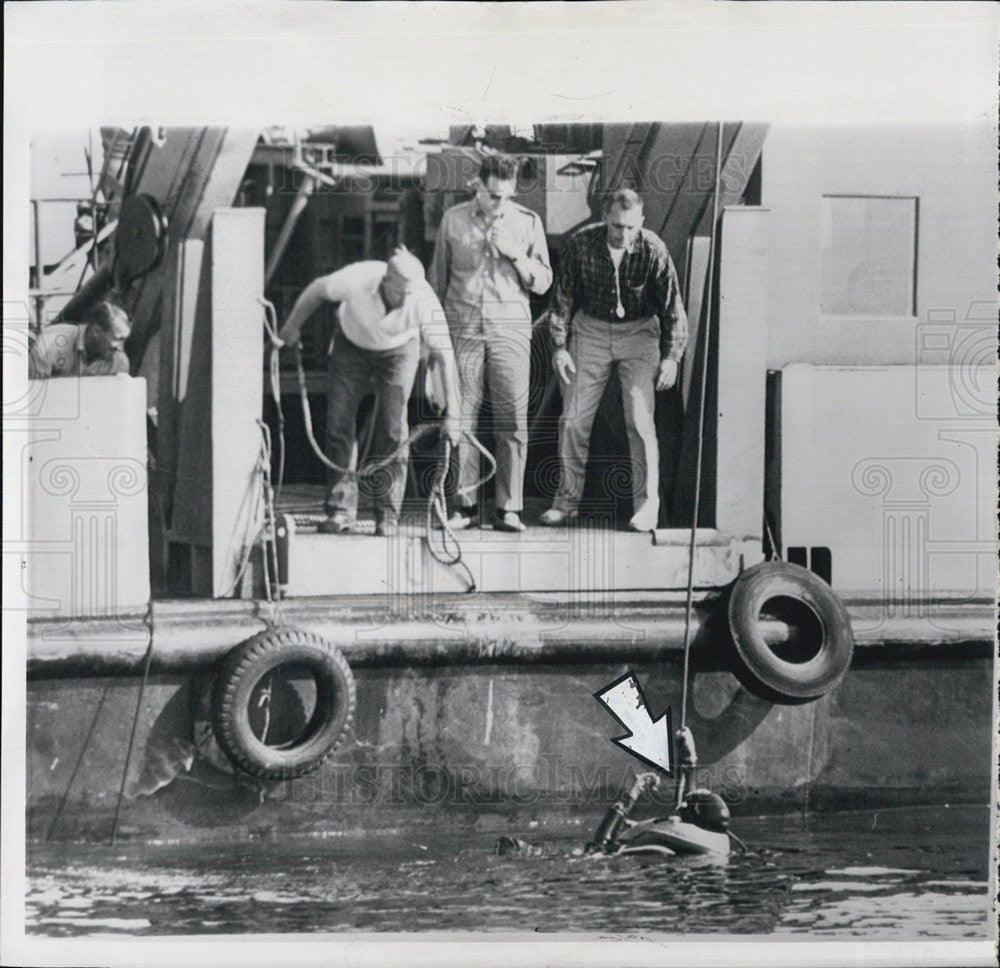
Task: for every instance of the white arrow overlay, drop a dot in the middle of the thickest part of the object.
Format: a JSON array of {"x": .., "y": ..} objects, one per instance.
[{"x": 647, "y": 738}]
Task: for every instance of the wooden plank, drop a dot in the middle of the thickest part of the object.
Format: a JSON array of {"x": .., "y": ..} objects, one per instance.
[
  {"x": 694, "y": 301},
  {"x": 682, "y": 508},
  {"x": 191, "y": 515},
  {"x": 732, "y": 480},
  {"x": 591, "y": 563},
  {"x": 742, "y": 373},
  {"x": 175, "y": 360}
]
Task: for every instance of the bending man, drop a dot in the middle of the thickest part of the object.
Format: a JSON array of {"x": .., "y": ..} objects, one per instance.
[
  {"x": 385, "y": 308},
  {"x": 615, "y": 307}
]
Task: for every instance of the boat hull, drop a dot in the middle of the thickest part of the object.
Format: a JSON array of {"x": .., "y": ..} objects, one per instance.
[{"x": 503, "y": 745}]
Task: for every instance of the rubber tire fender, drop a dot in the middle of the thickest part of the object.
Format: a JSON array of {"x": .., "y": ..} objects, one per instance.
[
  {"x": 241, "y": 670},
  {"x": 756, "y": 665}
]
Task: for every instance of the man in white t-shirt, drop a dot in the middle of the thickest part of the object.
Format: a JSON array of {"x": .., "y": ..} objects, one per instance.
[{"x": 385, "y": 310}]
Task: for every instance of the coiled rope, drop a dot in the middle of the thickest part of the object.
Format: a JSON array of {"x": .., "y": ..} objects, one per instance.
[{"x": 448, "y": 551}]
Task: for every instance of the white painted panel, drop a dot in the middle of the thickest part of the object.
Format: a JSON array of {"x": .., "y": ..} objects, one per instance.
[
  {"x": 237, "y": 368},
  {"x": 742, "y": 382},
  {"x": 85, "y": 540},
  {"x": 950, "y": 169},
  {"x": 892, "y": 468}
]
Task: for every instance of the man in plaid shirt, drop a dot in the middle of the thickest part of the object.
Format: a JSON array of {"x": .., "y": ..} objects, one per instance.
[{"x": 616, "y": 306}]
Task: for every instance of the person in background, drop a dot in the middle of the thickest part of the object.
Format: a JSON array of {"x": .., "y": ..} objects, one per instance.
[
  {"x": 385, "y": 310},
  {"x": 616, "y": 306},
  {"x": 490, "y": 255},
  {"x": 92, "y": 347}
]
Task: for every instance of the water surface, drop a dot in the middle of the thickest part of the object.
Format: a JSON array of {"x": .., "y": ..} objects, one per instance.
[{"x": 891, "y": 874}]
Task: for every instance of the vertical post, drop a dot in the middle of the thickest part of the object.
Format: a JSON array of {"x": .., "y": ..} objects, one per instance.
[
  {"x": 39, "y": 273},
  {"x": 237, "y": 366},
  {"x": 742, "y": 373}
]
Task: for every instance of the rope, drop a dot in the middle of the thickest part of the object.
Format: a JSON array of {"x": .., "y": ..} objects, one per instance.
[
  {"x": 371, "y": 467},
  {"x": 79, "y": 761},
  {"x": 707, "y": 330},
  {"x": 255, "y": 494},
  {"x": 270, "y": 531},
  {"x": 274, "y": 373},
  {"x": 450, "y": 553},
  {"x": 775, "y": 550},
  {"x": 436, "y": 513},
  {"x": 131, "y": 738}
]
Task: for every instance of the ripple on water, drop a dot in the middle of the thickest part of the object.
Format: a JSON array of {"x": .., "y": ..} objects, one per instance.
[{"x": 868, "y": 885}]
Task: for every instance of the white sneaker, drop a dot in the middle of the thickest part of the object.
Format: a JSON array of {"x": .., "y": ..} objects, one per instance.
[
  {"x": 461, "y": 518},
  {"x": 508, "y": 521},
  {"x": 336, "y": 523},
  {"x": 554, "y": 518},
  {"x": 643, "y": 521}
]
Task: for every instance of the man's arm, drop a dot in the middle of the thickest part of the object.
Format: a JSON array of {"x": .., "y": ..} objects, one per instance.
[
  {"x": 324, "y": 289},
  {"x": 673, "y": 320},
  {"x": 531, "y": 262},
  {"x": 309, "y": 301},
  {"x": 670, "y": 309},
  {"x": 116, "y": 362},
  {"x": 445, "y": 358},
  {"x": 437, "y": 274},
  {"x": 39, "y": 365},
  {"x": 561, "y": 305},
  {"x": 562, "y": 299},
  {"x": 534, "y": 268},
  {"x": 434, "y": 332}
]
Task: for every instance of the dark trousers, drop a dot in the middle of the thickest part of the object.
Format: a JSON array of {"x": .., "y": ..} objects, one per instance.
[{"x": 353, "y": 373}]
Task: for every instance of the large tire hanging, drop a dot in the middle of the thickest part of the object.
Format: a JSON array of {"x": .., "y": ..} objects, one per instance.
[
  {"x": 236, "y": 688},
  {"x": 817, "y": 655}
]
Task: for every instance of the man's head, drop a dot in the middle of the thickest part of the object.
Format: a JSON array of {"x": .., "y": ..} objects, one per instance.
[
  {"x": 623, "y": 217},
  {"x": 107, "y": 328},
  {"x": 497, "y": 183},
  {"x": 403, "y": 270}
]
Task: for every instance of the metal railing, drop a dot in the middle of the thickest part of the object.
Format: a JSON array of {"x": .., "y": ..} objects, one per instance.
[{"x": 37, "y": 291}]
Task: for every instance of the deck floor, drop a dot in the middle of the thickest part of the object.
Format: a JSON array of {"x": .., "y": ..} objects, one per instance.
[
  {"x": 305, "y": 503},
  {"x": 596, "y": 554}
]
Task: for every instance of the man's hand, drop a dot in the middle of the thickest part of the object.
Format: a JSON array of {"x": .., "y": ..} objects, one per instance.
[
  {"x": 563, "y": 364},
  {"x": 289, "y": 336},
  {"x": 666, "y": 374},
  {"x": 452, "y": 429},
  {"x": 505, "y": 244}
]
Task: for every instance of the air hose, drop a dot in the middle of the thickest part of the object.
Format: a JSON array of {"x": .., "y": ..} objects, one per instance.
[{"x": 617, "y": 816}]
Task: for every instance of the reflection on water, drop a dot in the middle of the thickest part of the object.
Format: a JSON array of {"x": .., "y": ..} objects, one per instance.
[{"x": 900, "y": 874}]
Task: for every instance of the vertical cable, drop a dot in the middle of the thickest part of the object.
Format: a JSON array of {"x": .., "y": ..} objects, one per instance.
[
  {"x": 707, "y": 330},
  {"x": 131, "y": 738}
]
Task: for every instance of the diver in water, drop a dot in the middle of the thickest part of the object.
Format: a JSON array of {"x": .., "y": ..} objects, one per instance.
[{"x": 698, "y": 825}]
